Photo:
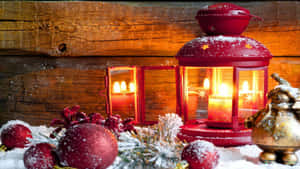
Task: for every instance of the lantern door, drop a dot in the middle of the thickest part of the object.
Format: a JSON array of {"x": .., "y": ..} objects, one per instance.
[
  {"x": 158, "y": 92},
  {"x": 252, "y": 91},
  {"x": 122, "y": 92},
  {"x": 207, "y": 95}
]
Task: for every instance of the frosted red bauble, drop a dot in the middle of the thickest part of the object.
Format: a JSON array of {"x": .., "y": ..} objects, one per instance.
[
  {"x": 15, "y": 136},
  {"x": 39, "y": 156},
  {"x": 87, "y": 146},
  {"x": 201, "y": 155}
]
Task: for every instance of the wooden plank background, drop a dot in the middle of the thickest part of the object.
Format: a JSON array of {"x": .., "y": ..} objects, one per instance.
[{"x": 132, "y": 28}]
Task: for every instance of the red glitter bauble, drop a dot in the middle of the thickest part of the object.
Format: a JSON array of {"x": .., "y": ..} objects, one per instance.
[
  {"x": 39, "y": 156},
  {"x": 87, "y": 146},
  {"x": 201, "y": 155},
  {"x": 15, "y": 136}
]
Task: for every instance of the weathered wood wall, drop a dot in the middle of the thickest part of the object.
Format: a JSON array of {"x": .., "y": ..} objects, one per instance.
[
  {"x": 133, "y": 28},
  {"x": 36, "y": 89}
]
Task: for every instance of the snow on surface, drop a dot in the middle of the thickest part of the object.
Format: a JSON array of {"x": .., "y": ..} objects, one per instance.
[
  {"x": 221, "y": 39},
  {"x": 243, "y": 157},
  {"x": 12, "y": 122}
]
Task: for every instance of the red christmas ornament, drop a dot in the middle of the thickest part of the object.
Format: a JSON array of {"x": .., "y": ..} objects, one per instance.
[
  {"x": 39, "y": 156},
  {"x": 87, "y": 146},
  {"x": 201, "y": 155},
  {"x": 15, "y": 136}
]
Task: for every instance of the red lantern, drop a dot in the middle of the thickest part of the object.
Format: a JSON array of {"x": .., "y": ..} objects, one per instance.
[
  {"x": 131, "y": 92},
  {"x": 223, "y": 77}
]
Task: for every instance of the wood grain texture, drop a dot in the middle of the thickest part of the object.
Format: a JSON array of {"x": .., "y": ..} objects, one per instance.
[{"x": 64, "y": 29}]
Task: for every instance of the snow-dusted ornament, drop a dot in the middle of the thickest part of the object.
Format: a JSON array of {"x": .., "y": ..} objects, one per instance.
[
  {"x": 201, "y": 155},
  {"x": 87, "y": 146},
  {"x": 15, "y": 134},
  {"x": 40, "y": 156}
]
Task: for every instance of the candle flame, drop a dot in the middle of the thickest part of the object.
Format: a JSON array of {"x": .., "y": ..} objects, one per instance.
[
  {"x": 116, "y": 88},
  {"x": 131, "y": 87},
  {"x": 245, "y": 87},
  {"x": 123, "y": 86},
  {"x": 224, "y": 90},
  {"x": 206, "y": 83}
]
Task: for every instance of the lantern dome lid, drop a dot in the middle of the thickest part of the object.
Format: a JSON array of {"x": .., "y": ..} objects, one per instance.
[
  {"x": 225, "y": 9},
  {"x": 224, "y": 18},
  {"x": 222, "y": 50}
]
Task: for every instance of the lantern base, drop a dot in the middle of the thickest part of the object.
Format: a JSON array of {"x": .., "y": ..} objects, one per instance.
[{"x": 219, "y": 137}]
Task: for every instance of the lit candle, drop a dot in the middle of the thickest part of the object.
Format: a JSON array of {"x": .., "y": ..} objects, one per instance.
[
  {"x": 245, "y": 101},
  {"x": 116, "y": 88},
  {"x": 123, "y": 99},
  {"x": 131, "y": 87},
  {"x": 220, "y": 104},
  {"x": 206, "y": 84},
  {"x": 245, "y": 87},
  {"x": 123, "y": 86}
]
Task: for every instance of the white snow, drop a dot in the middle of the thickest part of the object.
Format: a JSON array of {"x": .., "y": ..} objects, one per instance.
[
  {"x": 221, "y": 38},
  {"x": 12, "y": 122},
  {"x": 293, "y": 91},
  {"x": 242, "y": 157}
]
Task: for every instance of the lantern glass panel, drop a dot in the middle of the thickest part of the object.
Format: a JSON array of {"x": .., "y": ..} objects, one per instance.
[
  {"x": 123, "y": 91},
  {"x": 209, "y": 93},
  {"x": 160, "y": 93},
  {"x": 251, "y": 93}
]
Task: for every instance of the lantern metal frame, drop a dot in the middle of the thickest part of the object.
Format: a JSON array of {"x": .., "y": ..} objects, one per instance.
[
  {"x": 232, "y": 135},
  {"x": 236, "y": 70},
  {"x": 139, "y": 75}
]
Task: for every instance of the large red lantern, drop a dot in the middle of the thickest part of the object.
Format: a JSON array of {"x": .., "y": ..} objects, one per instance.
[{"x": 223, "y": 77}]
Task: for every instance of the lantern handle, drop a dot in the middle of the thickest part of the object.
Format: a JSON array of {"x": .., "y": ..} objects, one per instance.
[{"x": 254, "y": 16}]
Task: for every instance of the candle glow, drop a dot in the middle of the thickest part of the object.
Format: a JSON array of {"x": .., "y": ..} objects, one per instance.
[
  {"x": 123, "y": 86},
  {"x": 245, "y": 87},
  {"x": 206, "y": 83},
  {"x": 220, "y": 104},
  {"x": 131, "y": 87},
  {"x": 116, "y": 88},
  {"x": 224, "y": 90}
]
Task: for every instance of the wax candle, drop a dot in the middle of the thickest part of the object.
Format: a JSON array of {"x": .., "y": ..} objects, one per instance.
[
  {"x": 246, "y": 101},
  {"x": 123, "y": 98},
  {"x": 219, "y": 108},
  {"x": 220, "y": 104}
]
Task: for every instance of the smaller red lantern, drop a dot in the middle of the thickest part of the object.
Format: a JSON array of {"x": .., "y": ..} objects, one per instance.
[
  {"x": 223, "y": 77},
  {"x": 136, "y": 92}
]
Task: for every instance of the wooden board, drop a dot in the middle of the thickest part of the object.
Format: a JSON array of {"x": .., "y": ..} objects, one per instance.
[{"x": 64, "y": 29}]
